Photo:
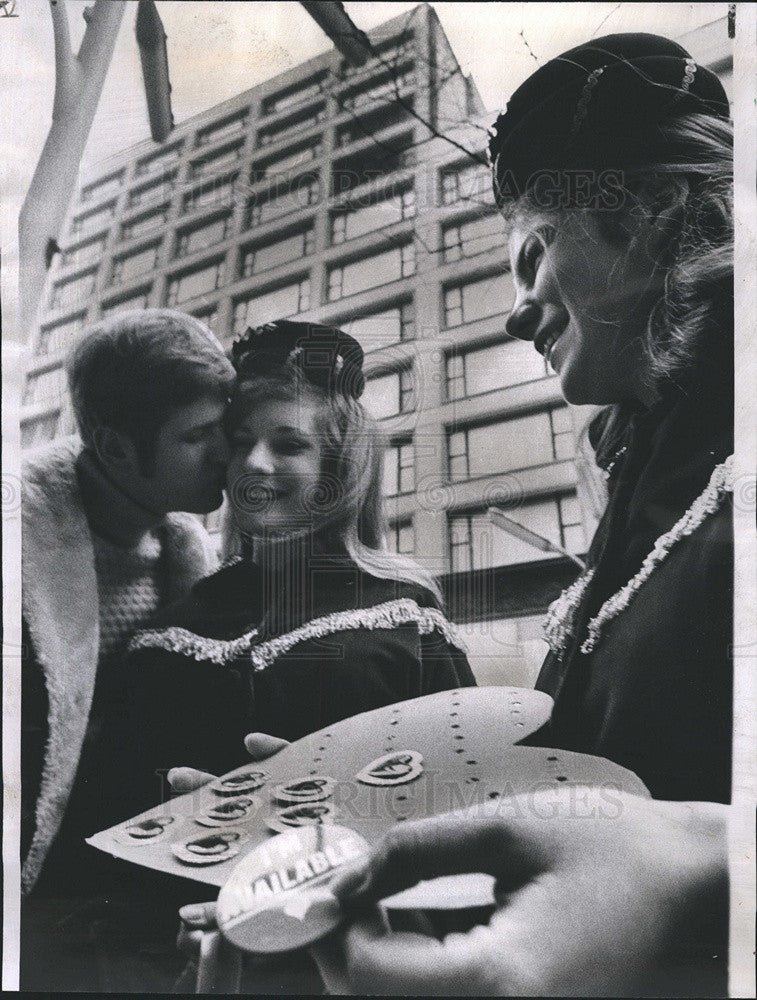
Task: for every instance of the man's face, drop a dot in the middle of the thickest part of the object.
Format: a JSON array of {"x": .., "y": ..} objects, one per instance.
[{"x": 189, "y": 466}]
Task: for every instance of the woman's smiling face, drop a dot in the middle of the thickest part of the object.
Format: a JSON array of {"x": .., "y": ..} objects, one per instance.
[
  {"x": 584, "y": 300},
  {"x": 275, "y": 467}
]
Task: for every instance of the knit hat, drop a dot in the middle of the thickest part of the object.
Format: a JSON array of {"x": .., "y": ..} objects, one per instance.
[
  {"x": 596, "y": 107},
  {"x": 326, "y": 356}
]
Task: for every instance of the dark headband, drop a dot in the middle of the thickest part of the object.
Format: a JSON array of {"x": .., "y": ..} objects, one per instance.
[
  {"x": 326, "y": 356},
  {"x": 596, "y": 107}
]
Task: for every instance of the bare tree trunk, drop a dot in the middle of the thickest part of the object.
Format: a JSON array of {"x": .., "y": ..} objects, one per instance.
[{"x": 78, "y": 84}]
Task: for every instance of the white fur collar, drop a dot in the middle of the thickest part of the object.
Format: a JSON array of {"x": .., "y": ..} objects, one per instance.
[{"x": 60, "y": 606}]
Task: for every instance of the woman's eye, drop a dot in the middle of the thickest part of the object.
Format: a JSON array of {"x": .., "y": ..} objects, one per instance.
[
  {"x": 535, "y": 249},
  {"x": 533, "y": 254},
  {"x": 293, "y": 447}
]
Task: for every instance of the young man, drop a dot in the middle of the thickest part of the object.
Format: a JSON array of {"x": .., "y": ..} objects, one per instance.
[{"x": 103, "y": 550}]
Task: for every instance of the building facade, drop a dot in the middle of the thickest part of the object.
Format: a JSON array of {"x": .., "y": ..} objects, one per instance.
[{"x": 346, "y": 196}]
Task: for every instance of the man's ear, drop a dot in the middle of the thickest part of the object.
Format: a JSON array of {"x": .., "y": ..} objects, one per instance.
[{"x": 115, "y": 450}]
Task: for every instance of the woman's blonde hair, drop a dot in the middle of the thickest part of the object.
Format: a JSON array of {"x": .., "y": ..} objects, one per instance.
[
  {"x": 347, "y": 508},
  {"x": 690, "y": 326}
]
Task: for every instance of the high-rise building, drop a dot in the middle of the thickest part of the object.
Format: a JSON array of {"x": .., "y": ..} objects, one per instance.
[{"x": 347, "y": 196}]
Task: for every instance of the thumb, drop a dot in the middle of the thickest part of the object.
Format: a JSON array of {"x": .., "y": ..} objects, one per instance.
[
  {"x": 187, "y": 779},
  {"x": 261, "y": 746},
  {"x": 441, "y": 845}
]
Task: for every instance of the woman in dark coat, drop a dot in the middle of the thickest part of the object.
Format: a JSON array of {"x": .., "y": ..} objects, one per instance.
[
  {"x": 614, "y": 164},
  {"x": 316, "y": 620}
]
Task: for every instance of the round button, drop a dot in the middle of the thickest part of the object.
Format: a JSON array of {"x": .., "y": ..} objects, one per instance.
[{"x": 277, "y": 899}]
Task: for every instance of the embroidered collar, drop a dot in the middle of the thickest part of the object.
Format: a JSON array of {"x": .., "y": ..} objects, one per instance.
[{"x": 559, "y": 622}]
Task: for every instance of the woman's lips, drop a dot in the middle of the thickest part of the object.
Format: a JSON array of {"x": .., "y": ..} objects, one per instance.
[{"x": 550, "y": 350}]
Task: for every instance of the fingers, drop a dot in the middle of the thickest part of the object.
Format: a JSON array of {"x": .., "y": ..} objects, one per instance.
[
  {"x": 365, "y": 960},
  {"x": 196, "y": 919},
  {"x": 199, "y": 916},
  {"x": 441, "y": 845},
  {"x": 187, "y": 779},
  {"x": 260, "y": 746}
]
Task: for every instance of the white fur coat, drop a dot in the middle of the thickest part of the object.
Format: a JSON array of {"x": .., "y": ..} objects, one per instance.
[{"x": 60, "y": 607}]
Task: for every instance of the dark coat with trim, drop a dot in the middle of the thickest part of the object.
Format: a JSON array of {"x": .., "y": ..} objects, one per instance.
[
  {"x": 346, "y": 643},
  {"x": 655, "y": 693}
]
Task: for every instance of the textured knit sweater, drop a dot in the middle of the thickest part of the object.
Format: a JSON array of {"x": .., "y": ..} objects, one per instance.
[{"x": 130, "y": 587}]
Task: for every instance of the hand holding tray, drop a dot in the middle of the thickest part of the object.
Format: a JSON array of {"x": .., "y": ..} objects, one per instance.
[{"x": 348, "y": 784}]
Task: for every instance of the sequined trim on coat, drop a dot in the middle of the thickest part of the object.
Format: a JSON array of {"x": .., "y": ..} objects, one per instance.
[
  {"x": 181, "y": 640},
  {"x": 391, "y": 614},
  {"x": 403, "y": 611},
  {"x": 558, "y": 625}
]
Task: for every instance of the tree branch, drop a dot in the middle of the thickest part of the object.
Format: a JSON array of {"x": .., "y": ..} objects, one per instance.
[{"x": 66, "y": 84}]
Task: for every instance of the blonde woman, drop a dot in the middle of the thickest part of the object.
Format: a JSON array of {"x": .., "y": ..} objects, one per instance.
[{"x": 315, "y": 620}]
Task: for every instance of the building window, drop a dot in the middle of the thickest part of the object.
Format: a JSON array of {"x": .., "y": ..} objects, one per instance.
[
  {"x": 389, "y": 51},
  {"x": 59, "y": 337},
  {"x": 563, "y": 438},
  {"x": 74, "y": 292},
  {"x": 145, "y": 224},
  {"x": 191, "y": 284},
  {"x": 215, "y": 191},
  {"x": 45, "y": 387},
  {"x": 387, "y": 395},
  {"x": 103, "y": 188},
  {"x": 495, "y": 367},
  {"x": 401, "y": 538},
  {"x": 158, "y": 190},
  {"x": 161, "y": 160},
  {"x": 36, "y": 432},
  {"x": 467, "y": 239},
  {"x": 132, "y": 266},
  {"x": 209, "y": 317},
  {"x": 203, "y": 236},
  {"x": 82, "y": 225},
  {"x": 572, "y": 523},
  {"x": 294, "y": 197},
  {"x": 388, "y": 88},
  {"x": 367, "y": 124},
  {"x": 278, "y": 303},
  {"x": 263, "y": 258},
  {"x": 347, "y": 225},
  {"x": 283, "y": 130},
  {"x": 138, "y": 301},
  {"x": 381, "y": 329},
  {"x": 222, "y": 129},
  {"x": 287, "y": 161},
  {"x": 477, "y": 299},
  {"x": 370, "y": 272},
  {"x": 467, "y": 182},
  {"x": 292, "y": 96},
  {"x": 217, "y": 163},
  {"x": 373, "y": 163},
  {"x": 476, "y": 543},
  {"x": 399, "y": 469},
  {"x": 83, "y": 253},
  {"x": 503, "y": 446}
]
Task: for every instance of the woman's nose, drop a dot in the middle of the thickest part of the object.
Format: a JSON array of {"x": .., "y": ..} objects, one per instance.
[
  {"x": 260, "y": 459},
  {"x": 523, "y": 321}
]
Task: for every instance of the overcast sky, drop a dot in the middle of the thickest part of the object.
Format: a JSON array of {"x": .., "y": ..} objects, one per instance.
[{"x": 219, "y": 48}]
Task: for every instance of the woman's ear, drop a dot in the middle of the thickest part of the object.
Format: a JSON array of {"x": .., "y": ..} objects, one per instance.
[{"x": 660, "y": 204}]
